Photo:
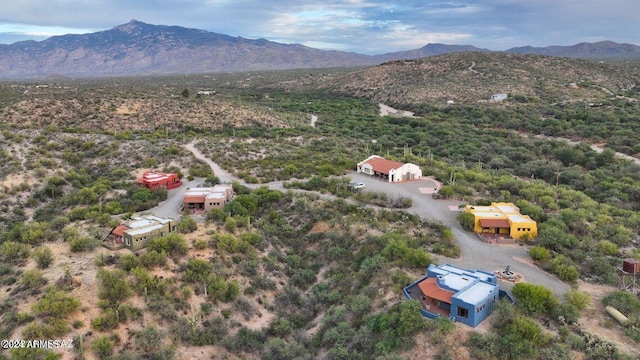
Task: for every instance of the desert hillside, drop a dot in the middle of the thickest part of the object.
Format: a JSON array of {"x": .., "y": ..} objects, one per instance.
[
  {"x": 472, "y": 77},
  {"x": 301, "y": 263}
]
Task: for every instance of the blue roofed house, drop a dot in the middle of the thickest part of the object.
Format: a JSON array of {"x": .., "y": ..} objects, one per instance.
[{"x": 466, "y": 296}]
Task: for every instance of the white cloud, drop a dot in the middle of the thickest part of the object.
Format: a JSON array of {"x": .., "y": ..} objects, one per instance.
[{"x": 354, "y": 25}]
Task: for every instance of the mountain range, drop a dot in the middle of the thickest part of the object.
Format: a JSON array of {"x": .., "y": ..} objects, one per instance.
[{"x": 137, "y": 48}]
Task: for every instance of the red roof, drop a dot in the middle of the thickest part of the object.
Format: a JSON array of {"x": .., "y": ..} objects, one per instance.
[
  {"x": 430, "y": 288},
  {"x": 119, "y": 230},
  {"x": 383, "y": 165},
  {"x": 495, "y": 223}
]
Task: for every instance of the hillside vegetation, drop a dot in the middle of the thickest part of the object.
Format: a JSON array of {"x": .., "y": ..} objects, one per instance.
[
  {"x": 316, "y": 273},
  {"x": 471, "y": 77}
]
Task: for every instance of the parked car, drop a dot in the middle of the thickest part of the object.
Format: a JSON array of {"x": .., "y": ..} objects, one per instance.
[{"x": 358, "y": 185}]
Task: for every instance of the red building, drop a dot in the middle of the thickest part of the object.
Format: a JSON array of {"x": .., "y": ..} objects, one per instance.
[{"x": 154, "y": 180}]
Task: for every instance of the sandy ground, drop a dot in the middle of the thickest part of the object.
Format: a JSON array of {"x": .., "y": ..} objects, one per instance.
[
  {"x": 596, "y": 321},
  {"x": 13, "y": 180},
  {"x": 389, "y": 111},
  {"x": 83, "y": 270}
]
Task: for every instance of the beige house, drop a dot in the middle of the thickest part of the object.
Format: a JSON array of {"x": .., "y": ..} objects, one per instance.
[
  {"x": 206, "y": 198},
  {"x": 136, "y": 233}
]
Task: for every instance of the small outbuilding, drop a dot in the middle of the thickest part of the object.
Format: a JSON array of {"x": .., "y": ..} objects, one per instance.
[
  {"x": 389, "y": 170},
  {"x": 499, "y": 97}
]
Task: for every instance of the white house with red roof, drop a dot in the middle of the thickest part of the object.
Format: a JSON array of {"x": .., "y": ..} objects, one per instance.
[{"x": 392, "y": 171}]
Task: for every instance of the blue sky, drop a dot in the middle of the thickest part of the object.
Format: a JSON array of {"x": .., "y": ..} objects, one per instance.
[{"x": 363, "y": 26}]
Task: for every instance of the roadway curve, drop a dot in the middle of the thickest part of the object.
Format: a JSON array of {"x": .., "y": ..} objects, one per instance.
[{"x": 475, "y": 253}]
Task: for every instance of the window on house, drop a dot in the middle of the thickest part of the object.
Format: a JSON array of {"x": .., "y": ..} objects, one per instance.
[{"x": 463, "y": 312}]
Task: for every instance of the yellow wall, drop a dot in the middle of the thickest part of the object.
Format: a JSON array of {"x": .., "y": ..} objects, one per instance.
[
  {"x": 518, "y": 229},
  {"x": 495, "y": 212}
]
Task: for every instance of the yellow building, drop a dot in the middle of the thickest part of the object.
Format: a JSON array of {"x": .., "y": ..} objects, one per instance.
[{"x": 502, "y": 218}]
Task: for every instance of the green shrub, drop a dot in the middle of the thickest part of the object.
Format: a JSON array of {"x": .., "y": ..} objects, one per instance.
[
  {"x": 31, "y": 353},
  {"x": 196, "y": 270},
  {"x": 11, "y": 251},
  {"x": 216, "y": 215},
  {"x": 102, "y": 347},
  {"x": 32, "y": 279},
  {"x": 173, "y": 244},
  {"x": 466, "y": 220},
  {"x": 83, "y": 244},
  {"x": 153, "y": 258},
  {"x": 187, "y": 224},
  {"x": 247, "y": 340},
  {"x": 55, "y": 303},
  {"x": 108, "y": 321},
  {"x": 624, "y": 301},
  {"x": 606, "y": 247},
  {"x": 113, "y": 285},
  {"x": 534, "y": 299},
  {"x": 127, "y": 262},
  {"x": 539, "y": 253},
  {"x": 230, "y": 224},
  {"x": 564, "y": 268},
  {"x": 52, "y": 328},
  {"x": 579, "y": 299},
  {"x": 43, "y": 256},
  {"x": 200, "y": 244}
]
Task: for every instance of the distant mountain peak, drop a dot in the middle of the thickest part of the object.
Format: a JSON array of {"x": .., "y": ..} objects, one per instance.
[
  {"x": 584, "y": 50},
  {"x": 130, "y": 26},
  {"x": 140, "y": 48}
]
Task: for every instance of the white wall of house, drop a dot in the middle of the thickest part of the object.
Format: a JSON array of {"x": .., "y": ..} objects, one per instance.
[
  {"x": 406, "y": 172},
  {"x": 498, "y": 97},
  {"x": 366, "y": 169}
]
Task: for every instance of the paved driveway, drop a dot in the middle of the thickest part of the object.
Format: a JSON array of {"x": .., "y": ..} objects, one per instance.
[
  {"x": 475, "y": 253},
  {"x": 171, "y": 206}
]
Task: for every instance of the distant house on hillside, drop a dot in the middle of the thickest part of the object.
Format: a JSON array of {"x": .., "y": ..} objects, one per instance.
[
  {"x": 392, "y": 171},
  {"x": 466, "y": 296},
  {"x": 154, "y": 180},
  {"x": 206, "y": 92},
  {"x": 206, "y": 198},
  {"x": 136, "y": 233},
  {"x": 499, "y": 97}
]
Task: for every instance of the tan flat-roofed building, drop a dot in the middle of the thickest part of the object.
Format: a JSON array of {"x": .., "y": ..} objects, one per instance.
[
  {"x": 136, "y": 233},
  {"x": 206, "y": 198}
]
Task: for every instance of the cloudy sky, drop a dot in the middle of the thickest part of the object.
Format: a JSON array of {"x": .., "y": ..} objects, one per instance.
[{"x": 364, "y": 26}]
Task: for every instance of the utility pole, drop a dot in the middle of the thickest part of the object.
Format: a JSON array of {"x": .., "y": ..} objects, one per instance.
[{"x": 557, "y": 183}]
